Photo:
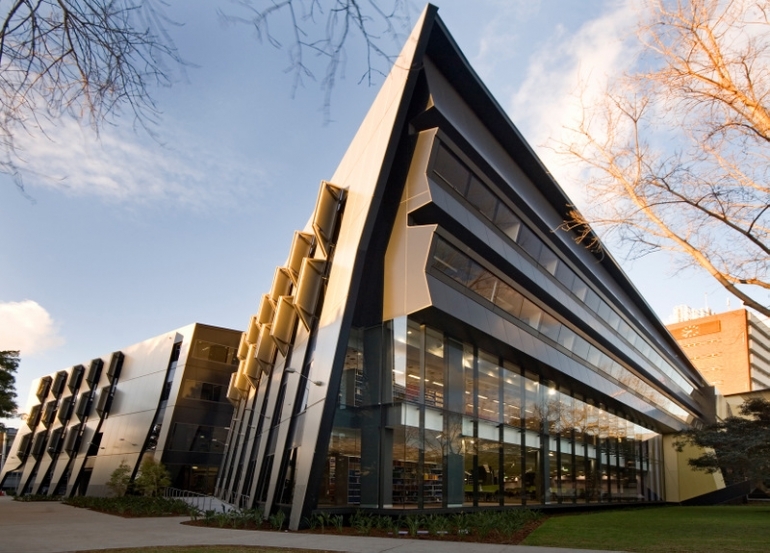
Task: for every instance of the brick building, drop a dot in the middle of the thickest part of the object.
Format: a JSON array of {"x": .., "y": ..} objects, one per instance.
[{"x": 731, "y": 350}]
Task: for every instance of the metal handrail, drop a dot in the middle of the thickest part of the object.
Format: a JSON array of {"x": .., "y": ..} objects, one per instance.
[{"x": 202, "y": 502}]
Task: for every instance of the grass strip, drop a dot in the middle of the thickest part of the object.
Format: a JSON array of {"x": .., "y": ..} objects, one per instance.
[
  {"x": 206, "y": 549},
  {"x": 717, "y": 529}
]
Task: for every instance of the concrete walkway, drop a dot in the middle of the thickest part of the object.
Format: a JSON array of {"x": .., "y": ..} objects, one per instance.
[{"x": 49, "y": 527}]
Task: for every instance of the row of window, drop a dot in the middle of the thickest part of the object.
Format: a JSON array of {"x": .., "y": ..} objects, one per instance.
[
  {"x": 64, "y": 437},
  {"x": 197, "y": 438},
  {"x": 205, "y": 391},
  {"x": 475, "y": 429},
  {"x": 458, "y": 176},
  {"x": 218, "y": 353},
  {"x": 498, "y": 390},
  {"x": 460, "y": 268}
]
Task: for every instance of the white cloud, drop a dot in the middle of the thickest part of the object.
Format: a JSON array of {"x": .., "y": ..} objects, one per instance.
[
  {"x": 500, "y": 42},
  {"x": 122, "y": 165},
  {"x": 548, "y": 102},
  {"x": 26, "y": 326}
]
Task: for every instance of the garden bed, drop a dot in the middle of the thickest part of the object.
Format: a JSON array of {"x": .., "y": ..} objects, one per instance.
[{"x": 504, "y": 527}]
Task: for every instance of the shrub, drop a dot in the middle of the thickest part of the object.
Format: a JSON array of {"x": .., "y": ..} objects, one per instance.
[
  {"x": 37, "y": 497},
  {"x": 152, "y": 478},
  {"x": 277, "y": 520},
  {"x": 119, "y": 480},
  {"x": 132, "y": 505}
]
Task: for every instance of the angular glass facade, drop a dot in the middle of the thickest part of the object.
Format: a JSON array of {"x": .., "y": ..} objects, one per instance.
[{"x": 466, "y": 427}]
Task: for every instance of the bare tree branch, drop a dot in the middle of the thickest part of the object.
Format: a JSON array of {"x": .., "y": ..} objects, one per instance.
[
  {"x": 88, "y": 59},
  {"x": 327, "y": 29},
  {"x": 676, "y": 155}
]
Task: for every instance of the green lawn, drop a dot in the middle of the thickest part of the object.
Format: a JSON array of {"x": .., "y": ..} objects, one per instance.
[
  {"x": 205, "y": 549},
  {"x": 661, "y": 530}
]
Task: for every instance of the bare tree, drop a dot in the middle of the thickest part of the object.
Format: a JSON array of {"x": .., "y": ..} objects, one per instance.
[
  {"x": 677, "y": 153},
  {"x": 324, "y": 29},
  {"x": 83, "y": 58}
]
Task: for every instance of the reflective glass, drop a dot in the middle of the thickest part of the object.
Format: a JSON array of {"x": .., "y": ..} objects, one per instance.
[
  {"x": 399, "y": 358},
  {"x": 509, "y": 300},
  {"x": 488, "y": 387},
  {"x": 483, "y": 282},
  {"x": 488, "y": 470},
  {"x": 512, "y": 395},
  {"x": 529, "y": 242},
  {"x": 451, "y": 170},
  {"x": 549, "y": 327},
  {"x": 548, "y": 260},
  {"x": 482, "y": 198},
  {"x": 405, "y": 479},
  {"x": 433, "y": 466},
  {"x": 565, "y": 275},
  {"x": 512, "y": 467},
  {"x": 533, "y": 488},
  {"x": 413, "y": 362},
  {"x": 530, "y": 314},
  {"x": 532, "y": 408},
  {"x": 506, "y": 221},
  {"x": 434, "y": 368}
]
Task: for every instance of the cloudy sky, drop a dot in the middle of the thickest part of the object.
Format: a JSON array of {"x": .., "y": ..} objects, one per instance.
[{"x": 125, "y": 236}]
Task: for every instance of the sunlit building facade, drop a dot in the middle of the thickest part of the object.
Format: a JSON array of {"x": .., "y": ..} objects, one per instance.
[
  {"x": 437, "y": 341},
  {"x": 731, "y": 350},
  {"x": 164, "y": 397}
]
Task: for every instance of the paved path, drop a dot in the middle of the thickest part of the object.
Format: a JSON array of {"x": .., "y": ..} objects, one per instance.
[{"x": 50, "y": 527}]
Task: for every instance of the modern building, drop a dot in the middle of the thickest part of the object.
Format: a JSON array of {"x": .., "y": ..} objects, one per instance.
[
  {"x": 731, "y": 350},
  {"x": 164, "y": 397},
  {"x": 6, "y": 441},
  {"x": 436, "y": 339}
]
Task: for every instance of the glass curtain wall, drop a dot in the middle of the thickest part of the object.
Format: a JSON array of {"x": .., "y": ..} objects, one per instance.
[{"x": 427, "y": 421}]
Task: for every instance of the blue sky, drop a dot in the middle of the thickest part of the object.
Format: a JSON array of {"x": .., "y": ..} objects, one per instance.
[{"x": 130, "y": 236}]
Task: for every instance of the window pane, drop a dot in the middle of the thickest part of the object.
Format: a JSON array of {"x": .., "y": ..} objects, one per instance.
[
  {"x": 484, "y": 284},
  {"x": 468, "y": 371},
  {"x": 532, "y": 409},
  {"x": 450, "y": 261},
  {"x": 512, "y": 395},
  {"x": 565, "y": 275},
  {"x": 580, "y": 289},
  {"x": 413, "y": 350},
  {"x": 580, "y": 348},
  {"x": 451, "y": 170},
  {"x": 592, "y": 301},
  {"x": 434, "y": 368},
  {"x": 529, "y": 242},
  {"x": 548, "y": 260},
  {"x": 530, "y": 314},
  {"x": 549, "y": 326},
  {"x": 489, "y": 387},
  {"x": 506, "y": 221},
  {"x": 509, "y": 299},
  {"x": 566, "y": 338},
  {"x": 482, "y": 198}
]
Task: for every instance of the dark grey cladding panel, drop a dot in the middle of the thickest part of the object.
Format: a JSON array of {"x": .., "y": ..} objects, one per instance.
[
  {"x": 459, "y": 306},
  {"x": 459, "y": 97},
  {"x": 523, "y": 264}
]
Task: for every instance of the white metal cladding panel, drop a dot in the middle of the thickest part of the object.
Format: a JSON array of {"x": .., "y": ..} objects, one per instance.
[
  {"x": 136, "y": 400},
  {"x": 405, "y": 287},
  {"x": 91, "y": 424},
  {"x": 358, "y": 173}
]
